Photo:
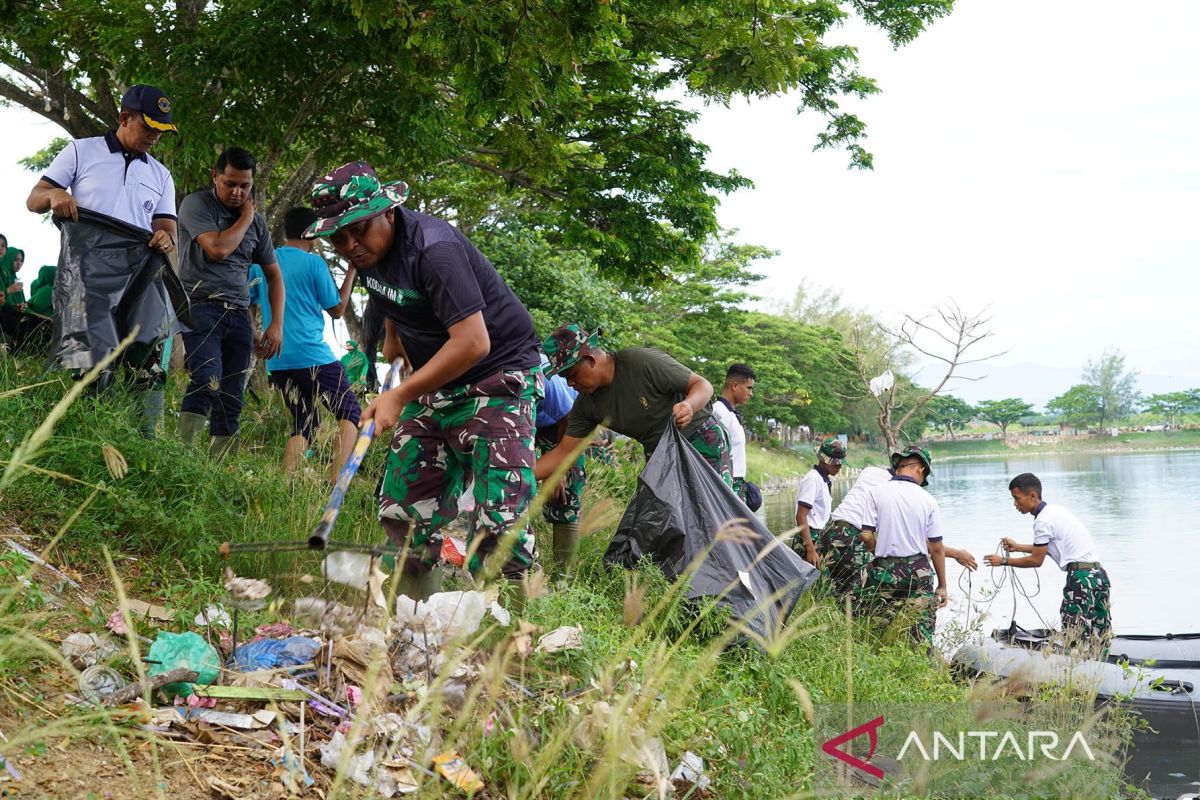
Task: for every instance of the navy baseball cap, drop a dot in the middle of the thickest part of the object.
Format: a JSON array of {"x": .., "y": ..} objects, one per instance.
[{"x": 154, "y": 105}]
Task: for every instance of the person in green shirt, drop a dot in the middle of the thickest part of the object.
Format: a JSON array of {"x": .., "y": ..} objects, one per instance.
[
  {"x": 42, "y": 291},
  {"x": 639, "y": 390},
  {"x": 11, "y": 261},
  {"x": 356, "y": 364},
  {"x": 28, "y": 325}
]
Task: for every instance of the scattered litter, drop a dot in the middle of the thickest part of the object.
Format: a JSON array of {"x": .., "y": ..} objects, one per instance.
[
  {"x": 334, "y": 618},
  {"x": 140, "y": 609},
  {"x": 245, "y": 722},
  {"x": 98, "y": 681},
  {"x": 353, "y": 694},
  {"x": 249, "y": 594},
  {"x": 689, "y": 773},
  {"x": 451, "y": 767},
  {"x": 350, "y": 568},
  {"x": 568, "y": 637},
  {"x": 444, "y": 616},
  {"x": 33, "y": 557},
  {"x": 523, "y": 638},
  {"x": 174, "y": 650},
  {"x": 132, "y": 692},
  {"x": 271, "y": 653},
  {"x": 358, "y": 768},
  {"x": 261, "y": 693},
  {"x": 213, "y": 615},
  {"x": 86, "y": 649},
  {"x": 500, "y": 613},
  {"x": 276, "y": 630},
  {"x": 353, "y": 656},
  {"x": 116, "y": 623},
  {"x": 196, "y": 701},
  {"x": 454, "y": 551}
]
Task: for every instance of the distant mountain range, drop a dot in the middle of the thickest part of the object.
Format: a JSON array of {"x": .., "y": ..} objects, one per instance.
[{"x": 1037, "y": 383}]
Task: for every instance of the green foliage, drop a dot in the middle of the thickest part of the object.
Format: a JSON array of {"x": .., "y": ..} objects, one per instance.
[
  {"x": 949, "y": 412},
  {"x": 567, "y": 106},
  {"x": 1116, "y": 389},
  {"x": 1079, "y": 405},
  {"x": 1171, "y": 404},
  {"x": 1003, "y": 412},
  {"x": 39, "y": 161}
]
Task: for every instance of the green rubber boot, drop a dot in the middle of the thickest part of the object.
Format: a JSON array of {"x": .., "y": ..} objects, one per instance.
[
  {"x": 565, "y": 545},
  {"x": 152, "y": 413},
  {"x": 189, "y": 425},
  {"x": 222, "y": 446}
]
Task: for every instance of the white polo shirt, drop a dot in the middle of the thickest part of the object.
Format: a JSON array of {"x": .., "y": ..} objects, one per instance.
[
  {"x": 904, "y": 516},
  {"x": 737, "y": 435},
  {"x": 1065, "y": 537},
  {"x": 101, "y": 177},
  {"x": 813, "y": 493},
  {"x": 853, "y": 508}
]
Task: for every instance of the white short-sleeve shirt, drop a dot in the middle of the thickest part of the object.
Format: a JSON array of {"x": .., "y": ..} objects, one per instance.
[
  {"x": 101, "y": 177},
  {"x": 813, "y": 493},
  {"x": 853, "y": 507},
  {"x": 737, "y": 436},
  {"x": 1064, "y": 536},
  {"x": 904, "y": 516}
]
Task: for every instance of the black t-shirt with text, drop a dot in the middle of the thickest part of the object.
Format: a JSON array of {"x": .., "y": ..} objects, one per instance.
[{"x": 432, "y": 278}]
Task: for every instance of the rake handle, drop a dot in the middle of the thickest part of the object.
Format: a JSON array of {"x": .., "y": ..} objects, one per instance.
[{"x": 320, "y": 534}]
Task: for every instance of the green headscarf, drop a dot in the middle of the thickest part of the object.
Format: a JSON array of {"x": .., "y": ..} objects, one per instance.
[
  {"x": 42, "y": 290},
  {"x": 8, "y": 274}
]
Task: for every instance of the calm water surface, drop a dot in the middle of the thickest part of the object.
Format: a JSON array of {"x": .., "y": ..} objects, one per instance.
[{"x": 1142, "y": 510}]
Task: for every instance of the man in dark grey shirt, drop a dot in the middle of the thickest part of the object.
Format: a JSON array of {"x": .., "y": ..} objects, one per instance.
[{"x": 220, "y": 236}]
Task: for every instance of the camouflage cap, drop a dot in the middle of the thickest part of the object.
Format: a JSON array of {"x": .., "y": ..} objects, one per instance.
[
  {"x": 921, "y": 453},
  {"x": 832, "y": 451},
  {"x": 564, "y": 345},
  {"x": 350, "y": 194}
]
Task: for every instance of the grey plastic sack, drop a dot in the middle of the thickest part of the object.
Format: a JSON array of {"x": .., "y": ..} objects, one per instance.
[
  {"x": 679, "y": 506},
  {"x": 108, "y": 281}
]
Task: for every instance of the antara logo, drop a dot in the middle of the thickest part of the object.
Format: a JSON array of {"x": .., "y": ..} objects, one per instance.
[{"x": 868, "y": 729}]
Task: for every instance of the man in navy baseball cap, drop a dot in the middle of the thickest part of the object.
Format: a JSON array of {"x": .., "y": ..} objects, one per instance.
[{"x": 155, "y": 107}]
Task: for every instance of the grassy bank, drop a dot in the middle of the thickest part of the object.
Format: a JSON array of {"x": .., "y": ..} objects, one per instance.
[
  {"x": 1126, "y": 442},
  {"x": 527, "y": 725}
]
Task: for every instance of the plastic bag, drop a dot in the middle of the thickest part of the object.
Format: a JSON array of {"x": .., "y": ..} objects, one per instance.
[
  {"x": 173, "y": 650},
  {"x": 679, "y": 506},
  {"x": 271, "y": 653},
  {"x": 107, "y": 281},
  {"x": 442, "y": 617}
]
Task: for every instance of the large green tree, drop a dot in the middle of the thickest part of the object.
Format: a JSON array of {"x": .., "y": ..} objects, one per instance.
[
  {"x": 1079, "y": 405},
  {"x": 1115, "y": 387},
  {"x": 568, "y": 106},
  {"x": 950, "y": 412},
  {"x": 1171, "y": 404},
  {"x": 1003, "y": 413}
]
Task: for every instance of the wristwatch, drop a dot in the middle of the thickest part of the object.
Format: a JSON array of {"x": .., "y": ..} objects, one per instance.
[{"x": 1004, "y": 561}]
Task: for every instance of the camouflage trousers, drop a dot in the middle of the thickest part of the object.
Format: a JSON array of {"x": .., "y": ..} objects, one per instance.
[
  {"x": 1085, "y": 603},
  {"x": 844, "y": 557},
  {"x": 567, "y": 510},
  {"x": 711, "y": 441},
  {"x": 481, "y": 433},
  {"x": 901, "y": 585}
]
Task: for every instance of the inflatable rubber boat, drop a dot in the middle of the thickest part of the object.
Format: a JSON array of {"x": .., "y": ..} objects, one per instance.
[{"x": 1154, "y": 673}]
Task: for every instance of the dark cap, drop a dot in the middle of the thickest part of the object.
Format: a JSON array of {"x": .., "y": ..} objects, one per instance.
[{"x": 154, "y": 105}]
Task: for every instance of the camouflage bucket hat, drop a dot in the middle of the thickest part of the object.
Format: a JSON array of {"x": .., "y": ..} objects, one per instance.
[
  {"x": 350, "y": 194},
  {"x": 832, "y": 450},
  {"x": 563, "y": 346},
  {"x": 921, "y": 453}
]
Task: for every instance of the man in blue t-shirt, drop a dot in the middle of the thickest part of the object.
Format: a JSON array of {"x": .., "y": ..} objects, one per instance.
[
  {"x": 305, "y": 368},
  {"x": 562, "y": 508},
  {"x": 465, "y": 415}
]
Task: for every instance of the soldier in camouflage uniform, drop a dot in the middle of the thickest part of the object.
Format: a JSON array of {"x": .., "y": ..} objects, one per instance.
[
  {"x": 465, "y": 415},
  {"x": 902, "y": 526},
  {"x": 1059, "y": 533},
  {"x": 637, "y": 391}
]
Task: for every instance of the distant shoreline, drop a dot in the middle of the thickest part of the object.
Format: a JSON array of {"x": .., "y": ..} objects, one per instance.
[{"x": 1022, "y": 450}]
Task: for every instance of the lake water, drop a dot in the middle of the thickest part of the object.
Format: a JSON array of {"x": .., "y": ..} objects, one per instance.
[{"x": 1142, "y": 510}]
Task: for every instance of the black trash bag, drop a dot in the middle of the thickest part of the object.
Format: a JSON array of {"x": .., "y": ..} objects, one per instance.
[
  {"x": 108, "y": 280},
  {"x": 674, "y": 517}
]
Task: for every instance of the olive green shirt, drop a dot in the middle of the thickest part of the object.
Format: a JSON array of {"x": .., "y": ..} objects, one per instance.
[{"x": 647, "y": 383}]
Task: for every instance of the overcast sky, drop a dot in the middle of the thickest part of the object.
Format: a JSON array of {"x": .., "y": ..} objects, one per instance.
[{"x": 1038, "y": 157}]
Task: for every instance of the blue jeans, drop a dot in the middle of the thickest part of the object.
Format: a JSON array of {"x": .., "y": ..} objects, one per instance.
[{"x": 217, "y": 358}]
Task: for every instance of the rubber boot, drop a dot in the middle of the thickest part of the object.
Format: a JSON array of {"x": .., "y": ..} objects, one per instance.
[
  {"x": 420, "y": 587},
  {"x": 189, "y": 425},
  {"x": 152, "y": 412},
  {"x": 565, "y": 545},
  {"x": 222, "y": 446}
]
